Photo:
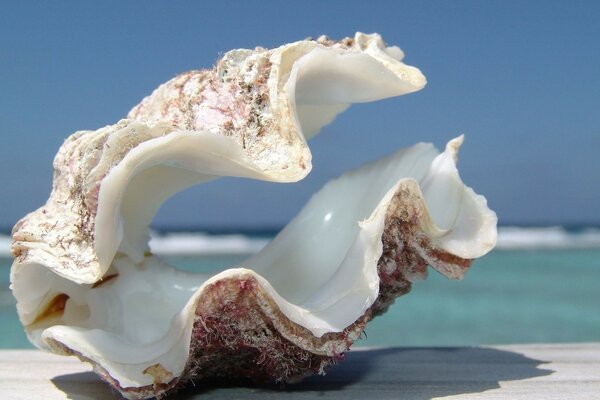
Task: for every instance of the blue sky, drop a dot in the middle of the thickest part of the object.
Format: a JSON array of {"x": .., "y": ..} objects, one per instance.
[{"x": 520, "y": 79}]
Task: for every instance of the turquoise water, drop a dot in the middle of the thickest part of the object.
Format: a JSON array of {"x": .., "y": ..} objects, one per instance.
[{"x": 507, "y": 297}]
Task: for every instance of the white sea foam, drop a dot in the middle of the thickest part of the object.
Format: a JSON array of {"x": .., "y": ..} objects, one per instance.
[
  {"x": 555, "y": 237},
  {"x": 5, "y": 242},
  {"x": 187, "y": 243},
  {"x": 202, "y": 243},
  {"x": 509, "y": 238}
]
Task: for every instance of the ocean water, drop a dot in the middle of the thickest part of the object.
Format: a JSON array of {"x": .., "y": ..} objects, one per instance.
[{"x": 543, "y": 287}]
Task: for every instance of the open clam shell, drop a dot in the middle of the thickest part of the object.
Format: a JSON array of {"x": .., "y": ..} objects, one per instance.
[{"x": 87, "y": 284}]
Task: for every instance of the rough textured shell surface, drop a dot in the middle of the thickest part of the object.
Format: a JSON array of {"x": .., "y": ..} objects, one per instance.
[{"x": 87, "y": 284}]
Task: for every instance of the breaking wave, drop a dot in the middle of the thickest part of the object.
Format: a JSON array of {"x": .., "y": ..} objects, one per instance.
[
  {"x": 509, "y": 238},
  {"x": 555, "y": 237},
  {"x": 203, "y": 243}
]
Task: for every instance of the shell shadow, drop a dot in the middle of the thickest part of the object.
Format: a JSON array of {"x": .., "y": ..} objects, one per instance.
[
  {"x": 407, "y": 373},
  {"x": 84, "y": 386}
]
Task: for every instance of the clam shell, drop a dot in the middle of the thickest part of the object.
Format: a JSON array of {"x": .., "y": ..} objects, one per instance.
[{"x": 87, "y": 284}]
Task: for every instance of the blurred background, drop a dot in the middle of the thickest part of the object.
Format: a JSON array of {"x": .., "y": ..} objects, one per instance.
[{"x": 519, "y": 79}]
